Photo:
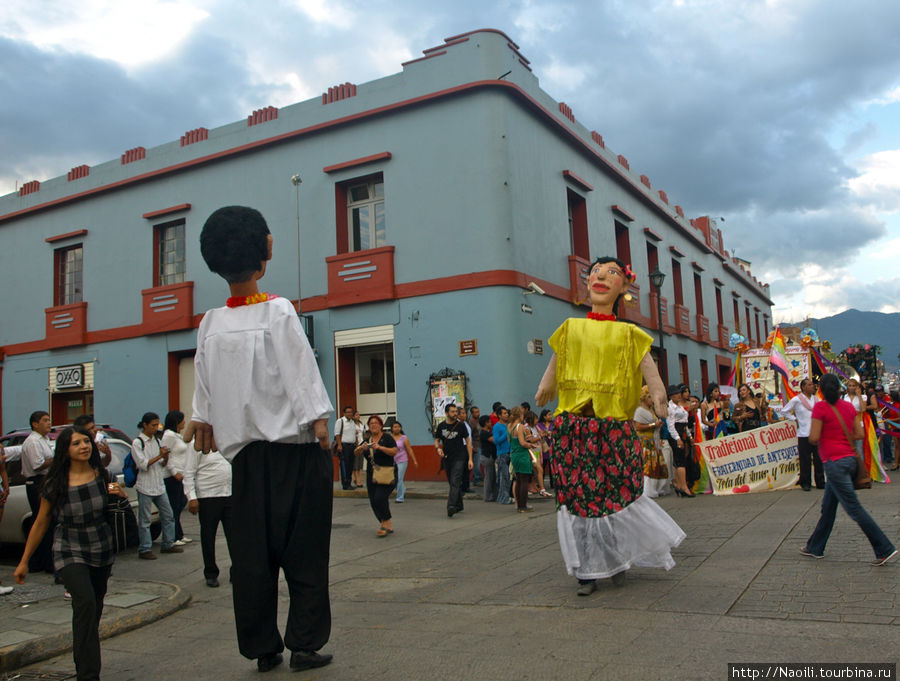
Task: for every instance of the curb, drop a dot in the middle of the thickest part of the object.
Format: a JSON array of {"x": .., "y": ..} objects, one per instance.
[
  {"x": 35, "y": 650},
  {"x": 363, "y": 494}
]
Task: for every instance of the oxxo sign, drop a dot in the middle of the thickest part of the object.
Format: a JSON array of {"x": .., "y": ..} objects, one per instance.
[{"x": 70, "y": 377}]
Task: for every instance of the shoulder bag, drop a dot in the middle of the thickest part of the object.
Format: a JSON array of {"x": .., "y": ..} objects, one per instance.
[
  {"x": 862, "y": 479},
  {"x": 381, "y": 475}
]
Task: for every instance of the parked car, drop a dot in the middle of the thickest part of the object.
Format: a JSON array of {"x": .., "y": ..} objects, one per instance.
[{"x": 16, "y": 522}]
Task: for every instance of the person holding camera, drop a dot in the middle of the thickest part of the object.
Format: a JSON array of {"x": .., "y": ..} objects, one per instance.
[
  {"x": 380, "y": 449},
  {"x": 151, "y": 458}
]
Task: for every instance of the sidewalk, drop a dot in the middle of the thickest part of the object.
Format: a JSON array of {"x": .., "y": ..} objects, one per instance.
[{"x": 36, "y": 618}]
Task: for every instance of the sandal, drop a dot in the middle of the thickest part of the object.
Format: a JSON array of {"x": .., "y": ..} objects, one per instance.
[
  {"x": 545, "y": 493},
  {"x": 381, "y": 532}
]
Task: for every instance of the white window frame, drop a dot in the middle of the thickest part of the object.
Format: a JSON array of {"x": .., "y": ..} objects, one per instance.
[{"x": 373, "y": 202}]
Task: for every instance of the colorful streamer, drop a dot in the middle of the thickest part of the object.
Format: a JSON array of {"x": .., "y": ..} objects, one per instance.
[{"x": 702, "y": 485}]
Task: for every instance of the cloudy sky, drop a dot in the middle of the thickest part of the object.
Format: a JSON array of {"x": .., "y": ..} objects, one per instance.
[{"x": 780, "y": 116}]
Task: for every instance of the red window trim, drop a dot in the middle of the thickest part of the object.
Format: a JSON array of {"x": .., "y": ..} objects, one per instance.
[
  {"x": 383, "y": 156},
  {"x": 67, "y": 235},
  {"x": 674, "y": 251},
  {"x": 621, "y": 212},
  {"x": 577, "y": 181},
  {"x": 166, "y": 211}
]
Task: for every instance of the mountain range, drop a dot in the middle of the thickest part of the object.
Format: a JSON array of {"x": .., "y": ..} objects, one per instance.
[{"x": 855, "y": 326}]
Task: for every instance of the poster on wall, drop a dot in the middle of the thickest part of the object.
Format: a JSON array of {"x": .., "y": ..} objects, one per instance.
[
  {"x": 757, "y": 460},
  {"x": 446, "y": 390}
]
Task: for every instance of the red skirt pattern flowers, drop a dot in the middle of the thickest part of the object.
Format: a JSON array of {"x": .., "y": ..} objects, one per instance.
[{"x": 598, "y": 464}]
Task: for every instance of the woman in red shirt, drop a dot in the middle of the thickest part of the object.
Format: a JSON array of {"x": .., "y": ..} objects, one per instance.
[{"x": 833, "y": 420}]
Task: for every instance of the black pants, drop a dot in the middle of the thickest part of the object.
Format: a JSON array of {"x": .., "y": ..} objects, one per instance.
[
  {"x": 809, "y": 458},
  {"x": 42, "y": 558},
  {"x": 523, "y": 482},
  {"x": 281, "y": 499},
  {"x": 177, "y": 500},
  {"x": 347, "y": 458},
  {"x": 379, "y": 496},
  {"x": 88, "y": 587},
  {"x": 456, "y": 468},
  {"x": 213, "y": 510}
]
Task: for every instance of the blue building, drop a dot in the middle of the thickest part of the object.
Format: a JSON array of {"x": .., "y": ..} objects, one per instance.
[{"x": 441, "y": 217}]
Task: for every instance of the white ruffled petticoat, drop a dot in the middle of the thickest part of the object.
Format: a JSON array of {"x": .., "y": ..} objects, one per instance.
[{"x": 640, "y": 535}]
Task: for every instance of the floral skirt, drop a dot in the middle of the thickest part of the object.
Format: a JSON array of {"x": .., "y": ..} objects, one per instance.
[{"x": 605, "y": 525}]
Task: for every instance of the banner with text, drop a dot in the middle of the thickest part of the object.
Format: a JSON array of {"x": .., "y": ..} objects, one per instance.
[{"x": 755, "y": 461}]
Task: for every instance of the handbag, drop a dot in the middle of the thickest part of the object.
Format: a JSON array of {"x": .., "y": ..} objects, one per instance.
[
  {"x": 862, "y": 479},
  {"x": 382, "y": 475}
]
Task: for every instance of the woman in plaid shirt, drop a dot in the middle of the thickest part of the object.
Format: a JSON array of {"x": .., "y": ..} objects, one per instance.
[{"x": 76, "y": 490}]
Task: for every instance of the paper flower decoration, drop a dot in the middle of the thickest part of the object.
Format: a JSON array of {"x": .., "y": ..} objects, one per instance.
[{"x": 808, "y": 337}]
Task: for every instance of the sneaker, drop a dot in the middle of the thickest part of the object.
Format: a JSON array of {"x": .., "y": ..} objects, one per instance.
[
  {"x": 301, "y": 659},
  {"x": 178, "y": 542},
  {"x": 809, "y": 554},
  {"x": 147, "y": 555},
  {"x": 172, "y": 549},
  {"x": 883, "y": 561},
  {"x": 399, "y": 501},
  {"x": 67, "y": 595},
  {"x": 587, "y": 588},
  {"x": 186, "y": 540},
  {"x": 5, "y": 590}
]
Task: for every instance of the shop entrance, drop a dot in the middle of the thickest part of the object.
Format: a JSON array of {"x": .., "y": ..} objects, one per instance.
[
  {"x": 365, "y": 371},
  {"x": 65, "y": 407}
]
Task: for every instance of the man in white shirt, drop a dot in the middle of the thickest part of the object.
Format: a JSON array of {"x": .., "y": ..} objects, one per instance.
[
  {"x": 151, "y": 458},
  {"x": 207, "y": 486},
  {"x": 37, "y": 455},
  {"x": 346, "y": 435},
  {"x": 799, "y": 408}
]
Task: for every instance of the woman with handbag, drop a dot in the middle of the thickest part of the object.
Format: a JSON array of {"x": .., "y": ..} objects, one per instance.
[
  {"x": 830, "y": 428},
  {"x": 380, "y": 449},
  {"x": 647, "y": 424}
]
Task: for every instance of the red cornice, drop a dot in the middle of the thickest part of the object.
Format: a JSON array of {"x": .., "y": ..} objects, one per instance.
[
  {"x": 67, "y": 235},
  {"x": 166, "y": 211},
  {"x": 577, "y": 181},
  {"x": 383, "y": 156},
  {"x": 697, "y": 266},
  {"x": 674, "y": 251}
]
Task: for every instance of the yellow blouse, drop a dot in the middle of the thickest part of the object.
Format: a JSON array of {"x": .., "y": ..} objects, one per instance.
[{"x": 598, "y": 364}]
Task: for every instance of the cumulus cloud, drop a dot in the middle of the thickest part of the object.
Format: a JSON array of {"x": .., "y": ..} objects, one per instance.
[{"x": 879, "y": 180}]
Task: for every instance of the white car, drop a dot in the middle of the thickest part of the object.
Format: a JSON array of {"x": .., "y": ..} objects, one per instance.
[{"x": 16, "y": 522}]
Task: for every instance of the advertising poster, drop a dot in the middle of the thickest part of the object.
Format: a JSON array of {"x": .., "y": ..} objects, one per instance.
[
  {"x": 759, "y": 460},
  {"x": 444, "y": 391}
]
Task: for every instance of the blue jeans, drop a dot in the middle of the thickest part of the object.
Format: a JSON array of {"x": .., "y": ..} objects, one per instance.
[
  {"x": 839, "y": 488},
  {"x": 476, "y": 467},
  {"x": 503, "y": 479},
  {"x": 161, "y": 501},
  {"x": 401, "y": 488}
]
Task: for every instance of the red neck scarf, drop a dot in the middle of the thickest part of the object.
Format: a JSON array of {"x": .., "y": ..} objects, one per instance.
[{"x": 601, "y": 317}]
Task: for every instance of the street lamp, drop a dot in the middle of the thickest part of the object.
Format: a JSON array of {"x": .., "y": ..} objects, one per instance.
[{"x": 657, "y": 277}]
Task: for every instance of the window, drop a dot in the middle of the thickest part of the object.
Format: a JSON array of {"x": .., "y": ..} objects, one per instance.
[
  {"x": 652, "y": 257},
  {"x": 737, "y": 316},
  {"x": 676, "y": 282},
  {"x": 623, "y": 244},
  {"x": 169, "y": 256},
  {"x": 698, "y": 294},
  {"x": 365, "y": 214},
  {"x": 68, "y": 275},
  {"x": 578, "y": 227},
  {"x": 719, "y": 306},
  {"x": 683, "y": 364},
  {"x": 759, "y": 339},
  {"x": 749, "y": 332},
  {"x": 704, "y": 376}
]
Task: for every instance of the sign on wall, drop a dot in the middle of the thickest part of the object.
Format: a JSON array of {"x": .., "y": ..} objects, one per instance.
[
  {"x": 70, "y": 376},
  {"x": 757, "y": 460}
]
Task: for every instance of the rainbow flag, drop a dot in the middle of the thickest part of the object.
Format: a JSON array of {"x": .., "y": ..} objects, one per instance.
[
  {"x": 871, "y": 453},
  {"x": 779, "y": 363},
  {"x": 702, "y": 485}
]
